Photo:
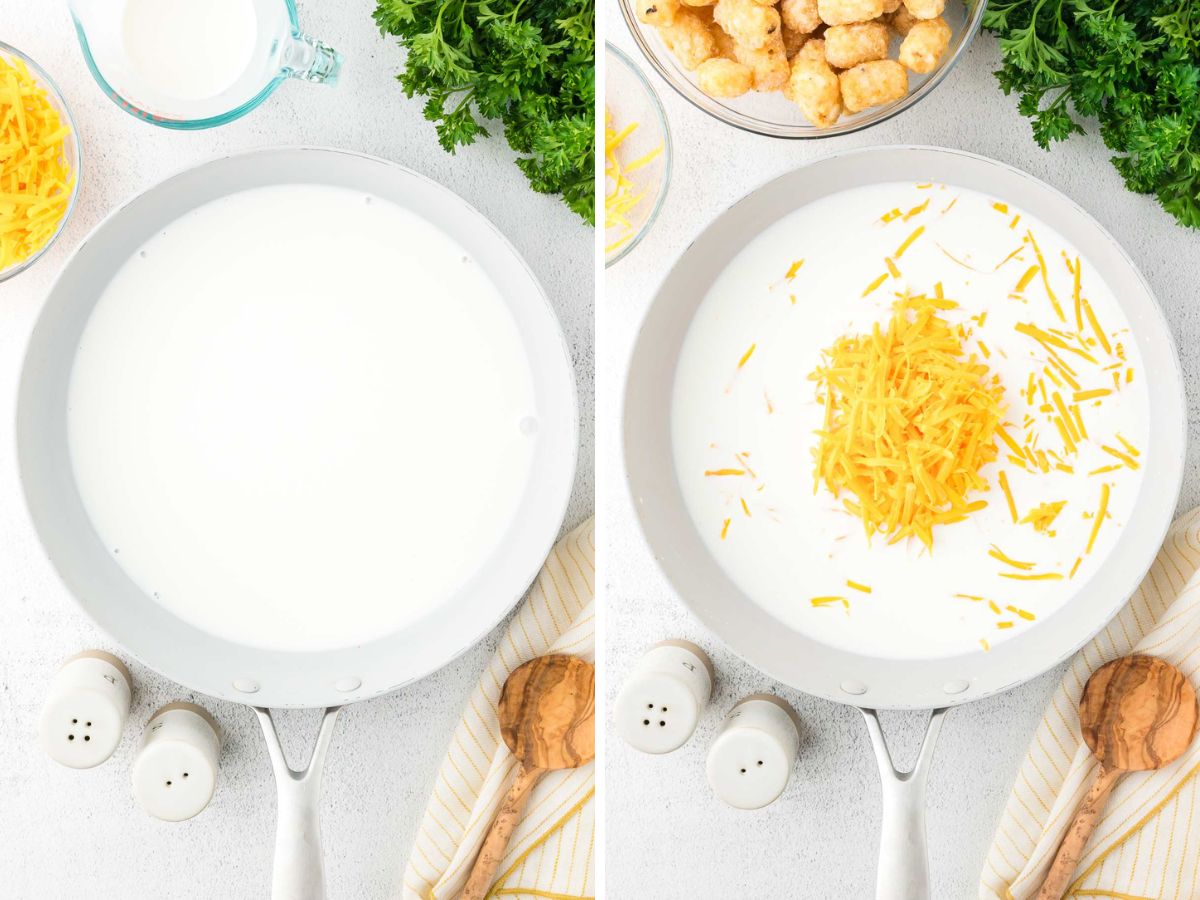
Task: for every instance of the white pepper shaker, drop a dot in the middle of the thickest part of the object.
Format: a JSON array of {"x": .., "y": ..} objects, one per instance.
[
  {"x": 661, "y": 700},
  {"x": 175, "y": 772},
  {"x": 751, "y": 760},
  {"x": 83, "y": 718}
]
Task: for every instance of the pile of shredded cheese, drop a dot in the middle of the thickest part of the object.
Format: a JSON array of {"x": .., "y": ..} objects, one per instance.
[
  {"x": 35, "y": 176},
  {"x": 621, "y": 195},
  {"x": 910, "y": 419}
]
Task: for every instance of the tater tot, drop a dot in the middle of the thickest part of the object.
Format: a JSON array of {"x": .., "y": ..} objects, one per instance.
[
  {"x": 800, "y": 15},
  {"x": 719, "y": 77},
  {"x": 769, "y": 64},
  {"x": 792, "y": 41},
  {"x": 924, "y": 45},
  {"x": 902, "y": 21},
  {"x": 750, "y": 25},
  {"x": 846, "y": 12},
  {"x": 848, "y": 45},
  {"x": 699, "y": 3},
  {"x": 925, "y": 9},
  {"x": 813, "y": 85},
  {"x": 657, "y": 12},
  {"x": 688, "y": 38},
  {"x": 725, "y": 44},
  {"x": 873, "y": 83}
]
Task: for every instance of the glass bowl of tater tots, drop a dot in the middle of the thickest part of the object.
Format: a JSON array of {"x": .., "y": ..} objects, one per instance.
[{"x": 803, "y": 68}]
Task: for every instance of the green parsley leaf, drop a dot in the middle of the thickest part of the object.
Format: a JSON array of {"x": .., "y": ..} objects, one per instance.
[
  {"x": 1133, "y": 65},
  {"x": 529, "y": 65}
]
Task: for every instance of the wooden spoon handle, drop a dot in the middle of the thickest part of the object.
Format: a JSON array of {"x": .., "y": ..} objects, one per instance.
[
  {"x": 1071, "y": 849},
  {"x": 496, "y": 842}
]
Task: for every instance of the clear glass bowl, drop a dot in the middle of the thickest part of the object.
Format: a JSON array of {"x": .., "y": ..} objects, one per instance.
[
  {"x": 772, "y": 114},
  {"x": 70, "y": 149},
  {"x": 629, "y": 98}
]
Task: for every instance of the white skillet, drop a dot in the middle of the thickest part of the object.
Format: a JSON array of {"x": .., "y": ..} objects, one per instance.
[
  {"x": 280, "y": 678},
  {"x": 841, "y": 675}
]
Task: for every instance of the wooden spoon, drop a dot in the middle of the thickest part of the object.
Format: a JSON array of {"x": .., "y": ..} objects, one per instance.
[
  {"x": 1136, "y": 713},
  {"x": 547, "y": 719}
]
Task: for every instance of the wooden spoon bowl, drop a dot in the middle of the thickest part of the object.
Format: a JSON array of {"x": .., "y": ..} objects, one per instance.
[
  {"x": 1137, "y": 713},
  {"x": 548, "y": 721}
]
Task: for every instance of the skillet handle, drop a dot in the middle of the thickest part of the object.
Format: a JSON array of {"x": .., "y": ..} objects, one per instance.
[
  {"x": 299, "y": 862},
  {"x": 903, "y": 855}
]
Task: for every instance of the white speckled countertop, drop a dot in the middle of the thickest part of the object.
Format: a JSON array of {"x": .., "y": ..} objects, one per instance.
[
  {"x": 667, "y": 836},
  {"x": 69, "y": 834}
]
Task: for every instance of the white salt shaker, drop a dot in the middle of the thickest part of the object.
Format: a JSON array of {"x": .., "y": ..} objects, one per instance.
[
  {"x": 83, "y": 719},
  {"x": 662, "y": 698},
  {"x": 175, "y": 772},
  {"x": 751, "y": 760}
]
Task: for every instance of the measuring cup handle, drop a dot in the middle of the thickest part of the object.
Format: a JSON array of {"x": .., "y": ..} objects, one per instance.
[
  {"x": 299, "y": 861},
  {"x": 309, "y": 59},
  {"x": 903, "y": 855}
]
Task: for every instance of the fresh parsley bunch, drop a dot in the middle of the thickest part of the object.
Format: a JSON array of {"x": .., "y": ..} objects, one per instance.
[
  {"x": 1132, "y": 64},
  {"x": 528, "y": 63}
]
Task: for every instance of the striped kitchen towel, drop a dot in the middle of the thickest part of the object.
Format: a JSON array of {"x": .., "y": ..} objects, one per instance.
[
  {"x": 552, "y": 850},
  {"x": 1147, "y": 844}
]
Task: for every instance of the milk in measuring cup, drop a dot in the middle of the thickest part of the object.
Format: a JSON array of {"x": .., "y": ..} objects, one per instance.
[{"x": 189, "y": 49}]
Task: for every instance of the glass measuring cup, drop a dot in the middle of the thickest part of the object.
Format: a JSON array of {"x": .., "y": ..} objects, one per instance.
[{"x": 192, "y": 64}]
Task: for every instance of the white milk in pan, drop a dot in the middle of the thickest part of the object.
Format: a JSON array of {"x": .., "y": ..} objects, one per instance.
[
  {"x": 301, "y": 417},
  {"x": 751, "y": 428}
]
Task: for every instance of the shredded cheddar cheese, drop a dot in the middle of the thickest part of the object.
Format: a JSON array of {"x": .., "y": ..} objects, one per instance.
[
  {"x": 1123, "y": 457},
  {"x": 996, "y": 553},
  {"x": 1008, "y": 496},
  {"x": 622, "y": 195},
  {"x": 1041, "y": 261},
  {"x": 830, "y": 601},
  {"x": 910, "y": 419},
  {"x": 1042, "y": 516},
  {"x": 1098, "y": 519},
  {"x": 870, "y": 288},
  {"x": 908, "y": 241},
  {"x": 1030, "y": 274},
  {"x": 36, "y": 180}
]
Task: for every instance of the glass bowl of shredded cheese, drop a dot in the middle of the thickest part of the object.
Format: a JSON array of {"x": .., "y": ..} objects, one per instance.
[
  {"x": 39, "y": 162},
  {"x": 637, "y": 156}
]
